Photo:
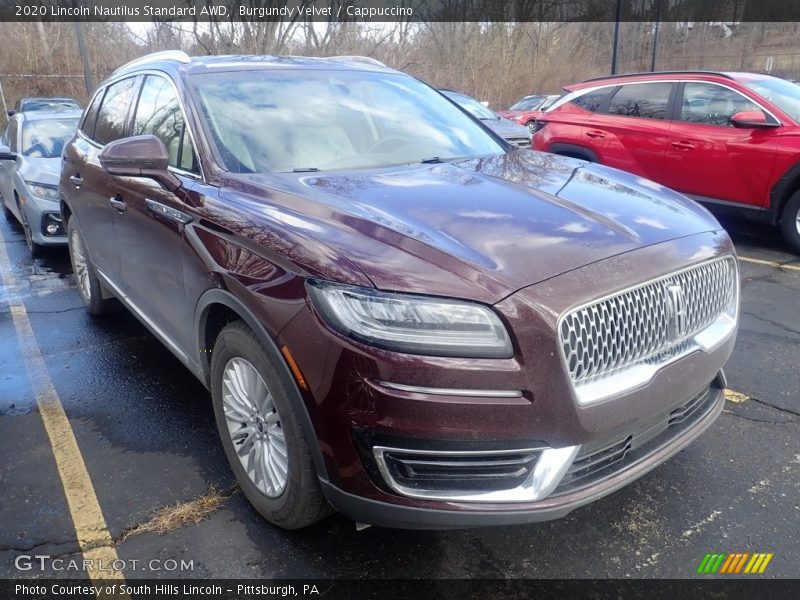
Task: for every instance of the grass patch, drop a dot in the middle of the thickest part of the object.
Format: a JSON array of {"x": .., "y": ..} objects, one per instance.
[{"x": 180, "y": 514}]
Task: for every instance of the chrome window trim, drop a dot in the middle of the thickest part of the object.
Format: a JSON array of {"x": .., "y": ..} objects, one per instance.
[
  {"x": 735, "y": 91},
  {"x": 578, "y": 93},
  {"x": 450, "y": 391},
  {"x": 640, "y": 374},
  {"x": 550, "y": 468}
]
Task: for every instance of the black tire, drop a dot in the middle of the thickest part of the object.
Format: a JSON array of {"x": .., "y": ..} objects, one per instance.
[
  {"x": 94, "y": 301},
  {"x": 790, "y": 221},
  {"x": 35, "y": 249},
  {"x": 7, "y": 212},
  {"x": 301, "y": 502}
]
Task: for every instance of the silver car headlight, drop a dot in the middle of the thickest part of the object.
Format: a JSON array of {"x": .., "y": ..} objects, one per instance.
[
  {"x": 412, "y": 324},
  {"x": 48, "y": 192}
]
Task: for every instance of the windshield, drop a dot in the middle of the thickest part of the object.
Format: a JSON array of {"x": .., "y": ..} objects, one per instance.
[
  {"x": 300, "y": 120},
  {"x": 549, "y": 101},
  {"x": 53, "y": 104},
  {"x": 472, "y": 106},
  {"x": 783, "y": 94},
  {"x": 46, "y": 139},
  {"x": 529, "y": 103}
]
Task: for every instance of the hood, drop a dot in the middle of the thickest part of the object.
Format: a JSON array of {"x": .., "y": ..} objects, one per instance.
[
  {"x": 520, "y": 115},
  {"x": 507, "y": 129},
  {"x": 41, "y": 170},
  {"x": 478, "y": 229}
]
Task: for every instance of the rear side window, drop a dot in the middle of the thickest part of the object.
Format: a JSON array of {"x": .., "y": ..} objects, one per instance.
[
  {"x": 159, "y": 113},
  {"x": 87, "y": 127},
  {"x": 113, "y": 112},
  {"x": 591, "y": 101},
  {"x": 644, "y": 100}
]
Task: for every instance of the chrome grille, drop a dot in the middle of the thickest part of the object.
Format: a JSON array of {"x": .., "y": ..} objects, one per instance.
[{"x": 648, "y": 322}]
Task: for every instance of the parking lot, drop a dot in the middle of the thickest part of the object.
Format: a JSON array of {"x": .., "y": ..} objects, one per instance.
[{"x": 146, "y": 434}]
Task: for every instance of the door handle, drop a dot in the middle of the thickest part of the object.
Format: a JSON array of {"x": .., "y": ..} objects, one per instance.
[
  {"x": 118, "y": 203},
  {"x": 681, "y": 145},
  {"x": 595, "y": 133},
  {"x": 76, "y": 180}
]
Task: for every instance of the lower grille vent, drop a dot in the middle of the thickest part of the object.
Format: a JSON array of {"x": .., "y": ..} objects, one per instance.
[{"x": 464, "y": 472}]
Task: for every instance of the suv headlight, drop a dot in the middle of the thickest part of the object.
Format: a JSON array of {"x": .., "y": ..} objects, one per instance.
[
  {"x": 41, "y": 190},
  {"x": 413, "y": 324}
]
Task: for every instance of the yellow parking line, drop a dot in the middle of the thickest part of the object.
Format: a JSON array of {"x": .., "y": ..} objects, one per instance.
[
  {"x": 769, "y": 263},
  {"x": 90, "y": 526}
]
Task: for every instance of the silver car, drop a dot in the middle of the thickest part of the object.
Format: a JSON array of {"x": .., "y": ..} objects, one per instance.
[
  {"x": 30, "y": 166},
  {"x": 514, "y": 134}
]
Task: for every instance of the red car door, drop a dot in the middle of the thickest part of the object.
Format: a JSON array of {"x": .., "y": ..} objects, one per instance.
[
  {"x": 631, "y": 134},
  {"x": 708, "y": 157}
]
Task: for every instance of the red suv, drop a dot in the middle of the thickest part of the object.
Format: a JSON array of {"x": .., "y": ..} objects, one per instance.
[{"x": 728, "y": 140}]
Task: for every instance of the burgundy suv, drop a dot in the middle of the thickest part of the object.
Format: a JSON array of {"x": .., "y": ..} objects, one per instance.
[
  {"x": 396, "y": 312},
  {"x": 728, "y": 140}
]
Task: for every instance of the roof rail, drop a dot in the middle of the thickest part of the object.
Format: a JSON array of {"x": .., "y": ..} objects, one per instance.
[
  {"x": 178, "y": 55},
  {"x": 362, "y": 59},
  {"x": 685, "y": 72}
]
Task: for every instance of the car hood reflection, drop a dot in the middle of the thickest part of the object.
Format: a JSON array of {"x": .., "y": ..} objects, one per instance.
[{"x": 497, "y": 224}]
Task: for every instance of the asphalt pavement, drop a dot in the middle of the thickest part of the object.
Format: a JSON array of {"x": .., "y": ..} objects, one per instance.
[{"x": 146, "y": 434}]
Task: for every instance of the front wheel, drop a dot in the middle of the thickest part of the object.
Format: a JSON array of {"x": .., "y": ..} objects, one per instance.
[
  {"x": 259, "y": 424},
  {"x": 88, "y": 284},
  {"x": 790, "y": 221},
  {"x": 7, "y": 211},
  {"x": 35, "y": 249}
]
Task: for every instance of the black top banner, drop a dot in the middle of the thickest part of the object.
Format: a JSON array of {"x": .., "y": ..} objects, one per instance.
[{"x": 722, "y": 11}]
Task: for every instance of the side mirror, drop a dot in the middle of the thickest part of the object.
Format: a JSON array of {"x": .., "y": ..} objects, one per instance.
[
  {"x": 11, "y": 113},
  {"x": 139, "y": 156},
  {"x": 751, "y": 118},
  {"x": 6, "y": 154}
]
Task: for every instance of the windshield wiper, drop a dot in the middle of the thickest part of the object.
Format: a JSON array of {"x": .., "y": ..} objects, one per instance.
[
  {"x": 431, "y": 161},
  {"x": 305, "y": 170}
]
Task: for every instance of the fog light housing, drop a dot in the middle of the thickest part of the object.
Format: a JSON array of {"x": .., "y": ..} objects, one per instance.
[{"x": 52, "y": 225}]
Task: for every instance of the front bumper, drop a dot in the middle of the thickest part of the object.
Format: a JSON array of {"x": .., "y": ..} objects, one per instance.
[
  {"x": 523, "y": 403},
  {"x": 385, "y": 514},
  {"x": 39, "y": 214}
]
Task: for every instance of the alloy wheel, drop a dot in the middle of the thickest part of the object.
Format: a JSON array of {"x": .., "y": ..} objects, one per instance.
[
  {"x": 255, "y": 427},
  {"x": 79, "y": 265}
]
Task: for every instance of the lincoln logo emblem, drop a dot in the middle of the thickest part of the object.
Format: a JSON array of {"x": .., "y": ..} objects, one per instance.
[{"x": 676, "y": 311}]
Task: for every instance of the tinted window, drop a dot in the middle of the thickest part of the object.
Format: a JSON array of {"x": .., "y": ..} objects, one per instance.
[
  {"x": 46, "y": 138},
  {"x": 711, "y": 104},
  {"x": 113, "y": 113},
  {"x": 645, "y": 100},
  {"x": 349, "y": 120},
  {"x": 159, "y": 113},
  {"x": 87, "y": 127},
  {"x": 591, "y": 101}
]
